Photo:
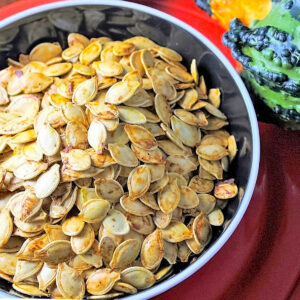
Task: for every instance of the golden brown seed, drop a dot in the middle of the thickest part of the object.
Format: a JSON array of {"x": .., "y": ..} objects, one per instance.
[
  {"x": 82, "y": 242},
  {"x": 176, "y": 232},
  {"x": 44, "y": 51},
  {"x": 139, "y": 277},
  {"x": 101, "y": 281},
  {"x": 139, "y": 181},
  {"x": 90, "y": 53},
  {"x": 169, "y": 197},
  {"x": 152, "y": 250},
  {"x": 73, "y": 225},
  {"x": 123, "y": 48},
  {"x": 226, "y": 189},
  {"x": 200, "y": 185},
  {"x": 140, "y": 137},
  {"x": 125, "y": 254},
  {"x": 202, "y": 229}
]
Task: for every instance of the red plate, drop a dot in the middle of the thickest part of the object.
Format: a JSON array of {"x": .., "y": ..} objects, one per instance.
[{"x": 261, "y": 260}]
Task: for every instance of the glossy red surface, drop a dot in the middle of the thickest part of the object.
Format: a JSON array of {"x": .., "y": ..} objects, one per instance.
[{"x": 261, "y": 260}]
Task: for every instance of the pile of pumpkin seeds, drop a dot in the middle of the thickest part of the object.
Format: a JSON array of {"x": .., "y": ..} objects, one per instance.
[{"x": 111, "y": 167}]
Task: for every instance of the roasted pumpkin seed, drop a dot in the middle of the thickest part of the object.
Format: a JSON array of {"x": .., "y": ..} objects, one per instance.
[
  {"x": 46, "y": 277},
  {"x": 82, "y": 242},
  {"x": 47, "y": 182},
  {"x": 189, "y": 135},
  {"x": 206, "y": 203},
  {"x": 102, "y": 281},
  {"x": 176, "y": 232},
  {"x": 95, "y": 210},
  {"x": 169, "y": 196},
  {"x": 73, "y": 226},
  {"x": 138, "y": 181},
  {"x": 55, "y": 252},
  {"x": 152, "y": 250},
  {"x": 148, "y": 156},
  {"x": 121, "y": 91},
  {"x": 134, "y": 206},
  {"x": 200, "y": 185},
  {"x": 97, "y": 136},
  {"x": 69, "y": 282},
  {"x": 90, "y": 53},
  {"x": 163, "y": 109},
  {"x": 139, "y": 277},
  {"x": 109, "y": 189},
  {"x": 30, "y": 290},
  {"x": 125, "y": 254},
  {"x": 115, "y": 223},
  {"x": 226, "y": 189},
  {"x": 44, "y": 51},
  {"x": 202, "y": 230},
  {"x": 85, "y": 91}
]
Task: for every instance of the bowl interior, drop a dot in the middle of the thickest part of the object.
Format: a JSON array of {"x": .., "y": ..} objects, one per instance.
[{"x": 121, "y": 23}]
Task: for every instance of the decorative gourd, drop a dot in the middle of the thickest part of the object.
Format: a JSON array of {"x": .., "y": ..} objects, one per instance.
[
  {"x": 245, "y": 10},
  {"x": 270, "y": 54}
]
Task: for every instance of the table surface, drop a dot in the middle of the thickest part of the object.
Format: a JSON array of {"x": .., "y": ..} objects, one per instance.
[{"x": 261, "y": 260}]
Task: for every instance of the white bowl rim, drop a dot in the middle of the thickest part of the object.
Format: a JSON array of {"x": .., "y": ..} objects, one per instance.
[{"x": 187, "y": 272}]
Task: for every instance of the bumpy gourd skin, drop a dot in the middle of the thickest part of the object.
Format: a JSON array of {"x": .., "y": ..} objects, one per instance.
[{"x": 270, "y": 54}]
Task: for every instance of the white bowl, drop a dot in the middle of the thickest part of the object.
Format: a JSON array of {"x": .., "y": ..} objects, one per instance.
[{"x": 237, "y": 105}]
